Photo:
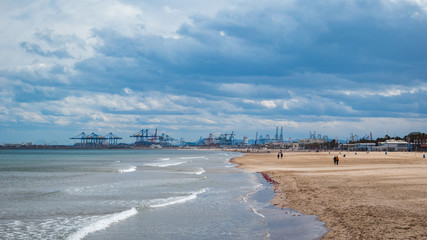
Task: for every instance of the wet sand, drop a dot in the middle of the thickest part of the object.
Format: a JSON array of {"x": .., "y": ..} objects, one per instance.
[{"x": 368, "y": 196}]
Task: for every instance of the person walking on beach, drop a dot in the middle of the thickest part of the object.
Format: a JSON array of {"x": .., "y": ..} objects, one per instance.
[
  {"x": 338, "y": 159},
  {"x": 335, "y": 160},
  {"x": 281, "y": 154},
  {"x": 278, "y": 155}
]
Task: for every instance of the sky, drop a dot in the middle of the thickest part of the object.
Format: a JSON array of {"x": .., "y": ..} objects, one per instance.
[{"x": 191, "y": 67}]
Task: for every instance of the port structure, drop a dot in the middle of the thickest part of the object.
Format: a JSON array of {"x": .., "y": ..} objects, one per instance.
[
  {"x": 278, "y": 138},
  {"x": 112, "y": 139},
  {"x": 226, "y": 139},
  {"x": 94, "y": 139},
  {"x": 147, "y": 138}
]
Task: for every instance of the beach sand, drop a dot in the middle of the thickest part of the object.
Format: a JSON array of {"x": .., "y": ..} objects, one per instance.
[{"x": 368, "y": 196}]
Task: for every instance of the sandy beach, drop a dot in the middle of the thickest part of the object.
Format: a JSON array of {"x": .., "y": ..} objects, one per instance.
[{"x": 367, "y": 196}]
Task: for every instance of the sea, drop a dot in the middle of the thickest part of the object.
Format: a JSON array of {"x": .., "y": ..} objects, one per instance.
[{"x": 140, "y": 194}]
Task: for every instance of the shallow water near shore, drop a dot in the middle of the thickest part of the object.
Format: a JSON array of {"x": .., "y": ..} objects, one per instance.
[
  {"x": 139, "y": 194},
  {"x": 285, "y": 223}
]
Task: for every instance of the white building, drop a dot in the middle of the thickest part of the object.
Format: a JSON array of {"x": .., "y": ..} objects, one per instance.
[
  {"x": 364, "y": 146},
  {"x": 394, "y": 145},
  {"x": 311, "y": 141}
]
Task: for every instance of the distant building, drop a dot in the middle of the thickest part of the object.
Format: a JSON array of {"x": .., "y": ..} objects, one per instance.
[
  {"x": 422, "y": 147},
  {"x": 364, "y": 146},
  {"x": 311, "y": 141},
  {"x": 394, "y": 145}
]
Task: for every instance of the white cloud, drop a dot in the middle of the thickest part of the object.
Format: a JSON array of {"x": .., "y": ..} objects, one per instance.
[
  {"x": 295, "y": 102},
  {"x": 65, "y": 26},
  {"x": 249, "y": 101},
  {"x": 268, "y": 103},
  {"x": 31, "y": 116},
  {"x": 420, "y": 3},
  {"x": 385, "y": 91}
]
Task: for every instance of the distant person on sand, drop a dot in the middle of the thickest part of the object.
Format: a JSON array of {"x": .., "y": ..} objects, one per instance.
[
  {"x": 335, "y": 160},
  {"x": 338, "y": 159},
  {"x": 281, "y": 154},
  {"x": 278, "y": 155}
]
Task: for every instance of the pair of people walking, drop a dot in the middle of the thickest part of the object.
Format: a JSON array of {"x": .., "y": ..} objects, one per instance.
[
  {"x": 280, "y": 154},
  {"x": 336, "y": 160}
]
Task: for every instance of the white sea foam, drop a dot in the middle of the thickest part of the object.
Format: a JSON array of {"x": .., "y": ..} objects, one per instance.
[
  {"x": 164, "y": 159},
  {"x": 256, "y": 212},
  {"x": 171, "y": 164},
  {"x": 102, "y": 223},
  {"x": 127, "y": 170},
  {"x": 164, "y": 164},
  {"x": 200, "y": 171},
  {"x": 257, "y": 185},
  {"x": 199, "y": 157},
  {"x": 158, "y": 203}
]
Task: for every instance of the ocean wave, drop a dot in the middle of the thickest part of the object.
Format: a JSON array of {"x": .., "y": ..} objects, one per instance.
[
  {"x": 256, "y": 182},
  {"x": 155, "y": 203},
  {"x": 197, "y": 172},
  {"x": 158, "y": 203},
  {"x": 256, "y": 212},
  {"x": 127, "y": 170},
  {"x": 164, "y": 164},
  {"x": 38, "y": 229},
  {"x": 198, "y": 157},
  {"x": 200, "y": 171},
  {"x": 164, "y": 159},
  {"x": 111, "y": 188},
  {"x": 102, "y": 223}
]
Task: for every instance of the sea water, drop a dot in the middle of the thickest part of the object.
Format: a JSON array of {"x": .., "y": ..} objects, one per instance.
[{"x": 139, "y": 194}]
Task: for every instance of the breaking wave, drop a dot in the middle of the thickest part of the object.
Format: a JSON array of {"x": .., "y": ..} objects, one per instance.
[
  {"x": 197, "y": 172},
  {"x": 199, "y": 157},
  {"x": 164, "y": 164},
  {"x": 158, "y": 203},
  {"x": 102, "y": 223},
  {"x": 200, "y": 171},
  {"x": 256, "y": 212},
  {"x": 127, "y": 170}
]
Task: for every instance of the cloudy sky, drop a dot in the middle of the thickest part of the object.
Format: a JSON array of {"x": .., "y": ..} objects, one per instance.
[{"x": 193, "y": 67}]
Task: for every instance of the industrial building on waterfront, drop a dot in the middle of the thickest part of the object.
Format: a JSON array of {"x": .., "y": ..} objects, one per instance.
[{"x": 95, "y": 140}]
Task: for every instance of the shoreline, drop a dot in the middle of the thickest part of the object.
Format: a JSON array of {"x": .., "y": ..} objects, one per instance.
[
  {"x": 282, "y": 222},
  {"x": 369, "y": 195}
]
